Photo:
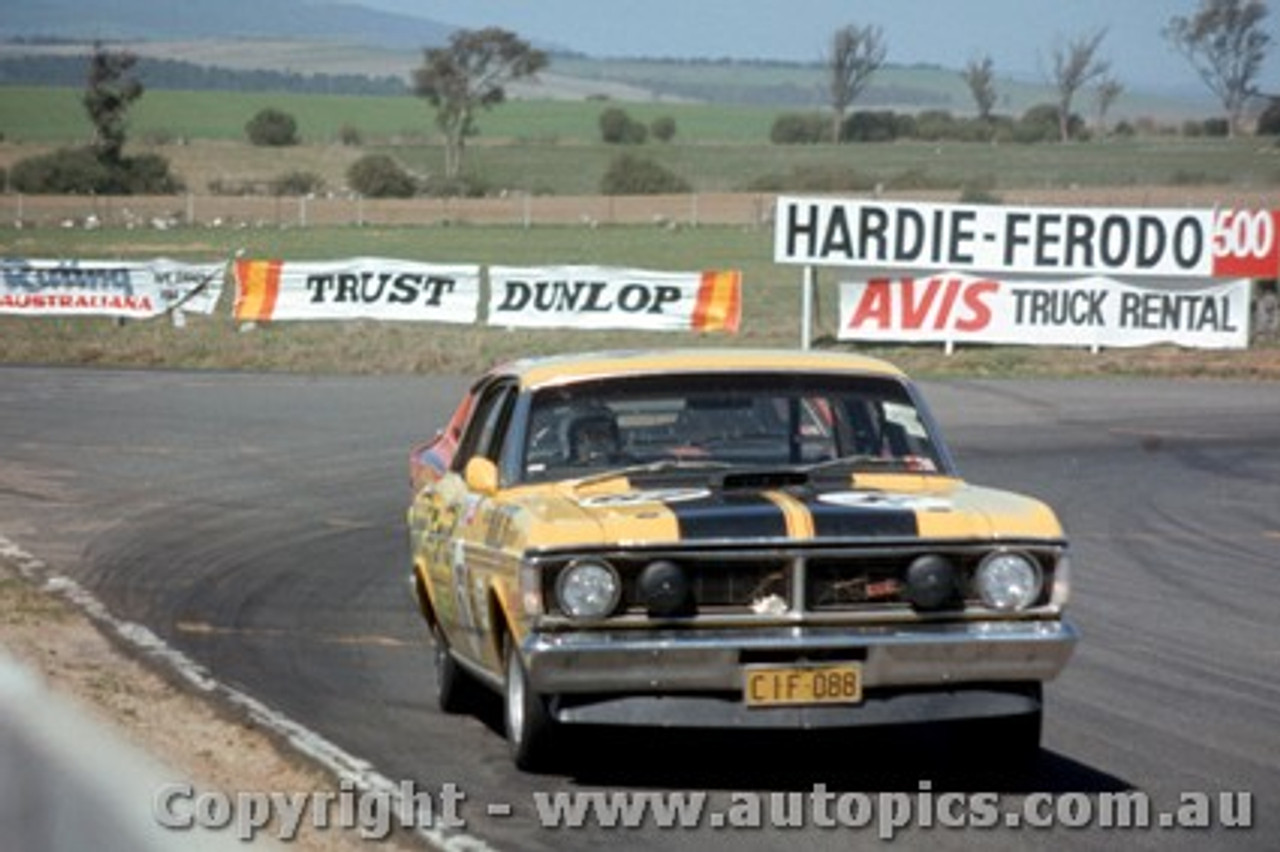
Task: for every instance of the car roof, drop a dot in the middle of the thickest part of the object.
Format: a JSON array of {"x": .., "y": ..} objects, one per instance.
[{"x": 556, "y": 369}]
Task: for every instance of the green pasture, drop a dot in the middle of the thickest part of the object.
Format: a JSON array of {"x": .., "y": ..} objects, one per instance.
[
  {"x": 553, "y": 147},
  {"x": 718, "y": 167},
  {"x": 55, "y": 115}
]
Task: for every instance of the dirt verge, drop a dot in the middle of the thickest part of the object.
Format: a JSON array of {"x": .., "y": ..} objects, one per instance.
[{"x": 200, "y": 742}]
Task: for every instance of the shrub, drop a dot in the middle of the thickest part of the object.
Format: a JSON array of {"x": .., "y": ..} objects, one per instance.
[
  {"x": 800, "y": 128},
  {"x": 65, "y": 171},
  {"x": 350, "y": 136},
  {"x": 1039, "y": 124},
  {"x": 631, "y": 175},
  {"x": 148, "y": 174},
  {"x": 1269, "y": 120},
  {"x": 380, "y": 176},
  {"x": 663, "y": 128},
  {"x": 1218, "y": 128},
  {"x": 814, "y": 179},
  {"x": 73, "y": 171},
  {"x": 980, "y": 190},
  {"x": 868, "y": 126},
  {"x": 462, "y": 186},
  {"x": 619, "y": 128},
  {"x": 297, "y": 183},
  {"x": 272, "y": 128}
]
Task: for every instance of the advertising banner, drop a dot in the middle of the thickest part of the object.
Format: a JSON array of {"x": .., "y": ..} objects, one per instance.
[
  {"x": 108, "y": 287},
  {"x": 1091, "y": 312},
  {"x": 603, "y": 297},
  {"x": 1060, "y": 241},
  {"x": 359, "y": 288}
]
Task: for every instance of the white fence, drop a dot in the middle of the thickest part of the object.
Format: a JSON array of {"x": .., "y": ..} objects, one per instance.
[{"x": 166, "y": 211}]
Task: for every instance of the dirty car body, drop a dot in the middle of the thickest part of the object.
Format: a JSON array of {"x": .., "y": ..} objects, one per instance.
[{"x": 734, "y": 538}]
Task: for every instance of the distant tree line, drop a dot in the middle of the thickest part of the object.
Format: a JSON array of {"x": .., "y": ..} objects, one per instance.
[{"x": 172, "y": 74}]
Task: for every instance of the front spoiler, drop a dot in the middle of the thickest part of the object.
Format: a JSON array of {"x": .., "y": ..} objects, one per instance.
[{"x": 879, "y": 707}]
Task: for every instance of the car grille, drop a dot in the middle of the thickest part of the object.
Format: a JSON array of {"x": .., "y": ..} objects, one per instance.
[{"x": 817, "y": 582}]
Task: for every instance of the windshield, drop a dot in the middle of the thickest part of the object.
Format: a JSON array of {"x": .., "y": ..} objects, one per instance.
[{"x": 720, "y": 421}]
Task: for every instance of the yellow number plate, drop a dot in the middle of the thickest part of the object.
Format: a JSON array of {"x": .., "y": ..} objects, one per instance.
[{"x": 773, "y": 686}]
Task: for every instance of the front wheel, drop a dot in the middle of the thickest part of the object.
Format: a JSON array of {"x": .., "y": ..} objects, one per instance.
[{"x": 530, "y": 727}]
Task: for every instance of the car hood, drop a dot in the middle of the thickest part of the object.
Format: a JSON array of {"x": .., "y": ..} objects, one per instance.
[{"x": 883, "y": 507}]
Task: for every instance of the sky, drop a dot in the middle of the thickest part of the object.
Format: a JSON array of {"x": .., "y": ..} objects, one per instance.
[{"x": 1019, "y": 35}]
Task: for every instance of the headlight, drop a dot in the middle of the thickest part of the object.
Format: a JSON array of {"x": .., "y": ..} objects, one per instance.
[
  {"x": 588, "y": 588},
  {"x": 1008, "y": 581}
]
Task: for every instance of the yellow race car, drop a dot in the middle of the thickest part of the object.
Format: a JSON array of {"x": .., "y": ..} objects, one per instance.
[{"x": 726, "y": 538}]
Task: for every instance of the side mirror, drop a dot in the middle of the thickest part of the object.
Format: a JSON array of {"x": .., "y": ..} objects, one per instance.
[{"x": 481, "y": 476}]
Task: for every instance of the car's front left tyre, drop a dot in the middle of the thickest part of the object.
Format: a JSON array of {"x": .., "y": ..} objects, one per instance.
[{"x": 530, "y": 728}]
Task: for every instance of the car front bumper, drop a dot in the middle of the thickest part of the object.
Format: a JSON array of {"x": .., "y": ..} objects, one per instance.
[{"x": 909, "y": 672}]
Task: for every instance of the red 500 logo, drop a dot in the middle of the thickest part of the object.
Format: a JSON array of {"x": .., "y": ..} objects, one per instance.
[{"x": 1246, "y": 244}]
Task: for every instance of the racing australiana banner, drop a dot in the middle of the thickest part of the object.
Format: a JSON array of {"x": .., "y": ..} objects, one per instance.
[
  {"x": 1091, "y": 312},
  {"x": 604, "y": 297},
  {"x": 108, "y": 287},
  {"x": 1062, "y": 241},
  {"x": 359, "y": 288}
]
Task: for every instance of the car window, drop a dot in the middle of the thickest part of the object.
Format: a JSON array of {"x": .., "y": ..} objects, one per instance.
[
  {"x": 753, "y": 420},
  {"x": 485, "y": 431}
]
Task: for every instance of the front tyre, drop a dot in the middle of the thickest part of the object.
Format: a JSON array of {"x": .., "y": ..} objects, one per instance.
[{"x": 530, "y": 728}]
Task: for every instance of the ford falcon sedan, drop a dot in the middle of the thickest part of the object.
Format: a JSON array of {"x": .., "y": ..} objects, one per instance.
[{"x": 728, "y": 539}]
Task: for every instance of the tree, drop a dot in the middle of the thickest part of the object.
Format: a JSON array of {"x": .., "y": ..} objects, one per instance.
[
  {"x": 470, "y": 74},
  {"x": 856, "y": 54},
  {"x": 617, "y": 127},
  {"x": 1075, "y": 66},
  {"x": 663, "y": 128},
  {"x": 979, "y": 75},
  {"x": 1226, "y": 44},
  {"x": 1108, "y": 91},
  {"x": 108, "y": 94},
  {"x": 271, "y": 127}
]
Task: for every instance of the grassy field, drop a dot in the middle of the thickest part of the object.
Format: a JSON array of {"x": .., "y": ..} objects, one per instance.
[
  {"x": 551, "y": 147},
  {"x": 771, "y": 308},
  {"x": 54, "y": 115}
]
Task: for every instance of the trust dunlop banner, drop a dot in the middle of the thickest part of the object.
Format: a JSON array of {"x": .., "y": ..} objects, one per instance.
[
  {"x": 605, "y": 298},
  {"x": 108, "y": 287},
  {"x": 359, "y": 288},
  {"x": 1062, "y": 241},
  {"x": 1091, "y": 312}
]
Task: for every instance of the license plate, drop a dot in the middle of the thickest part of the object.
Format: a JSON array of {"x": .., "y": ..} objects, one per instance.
[{"x": 775, "y": 686}]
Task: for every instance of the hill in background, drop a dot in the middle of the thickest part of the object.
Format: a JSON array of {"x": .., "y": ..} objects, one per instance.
[
  {"x": 296, "y": 37},
  {"x": 165, "y": 20}
]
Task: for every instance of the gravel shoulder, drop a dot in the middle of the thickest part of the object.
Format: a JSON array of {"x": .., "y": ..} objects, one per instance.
[{"x": 200, "y": 742}]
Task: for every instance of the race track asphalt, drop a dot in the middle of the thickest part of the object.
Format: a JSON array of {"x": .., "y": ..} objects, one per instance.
[{"x": 255, "y": 522}]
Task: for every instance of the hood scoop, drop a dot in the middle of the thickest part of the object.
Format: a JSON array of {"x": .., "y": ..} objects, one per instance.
[{"x": 762, "y": 480}]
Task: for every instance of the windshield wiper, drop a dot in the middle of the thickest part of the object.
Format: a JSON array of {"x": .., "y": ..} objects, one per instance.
[
  {"x": 854, "y": 462},
  {"x": 659, "y": 466}
]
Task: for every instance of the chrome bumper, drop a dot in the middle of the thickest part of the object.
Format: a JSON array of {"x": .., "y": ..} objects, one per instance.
[{"x": 689, "y": 661}]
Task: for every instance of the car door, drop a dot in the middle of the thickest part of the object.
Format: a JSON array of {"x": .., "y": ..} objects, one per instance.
[{"x": 455, "y": 520}]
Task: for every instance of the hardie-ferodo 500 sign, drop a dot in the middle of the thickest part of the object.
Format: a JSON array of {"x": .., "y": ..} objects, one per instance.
[{"x": 1167, "y": 243}]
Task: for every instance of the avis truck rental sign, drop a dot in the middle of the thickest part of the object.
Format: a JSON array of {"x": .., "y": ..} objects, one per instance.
[{"x": 1087, "y": 251}]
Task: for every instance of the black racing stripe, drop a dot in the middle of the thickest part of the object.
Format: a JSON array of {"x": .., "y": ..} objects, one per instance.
[
  {"x": 832, "y": 520},
  {"x": 729, "y": 516}
]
